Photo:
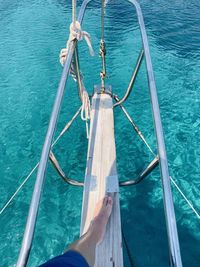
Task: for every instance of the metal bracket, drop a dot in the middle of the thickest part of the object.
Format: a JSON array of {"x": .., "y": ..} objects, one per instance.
[
  {"x": 93, "y": 182},
  {"x": 112, "y": 184},
  {"x": 97, "y": 89}
]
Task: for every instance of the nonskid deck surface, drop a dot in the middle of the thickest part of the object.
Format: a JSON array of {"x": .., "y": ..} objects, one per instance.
[{"x": 101, "y": 177}]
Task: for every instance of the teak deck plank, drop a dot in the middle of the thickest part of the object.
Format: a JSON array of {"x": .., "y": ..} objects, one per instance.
[{"x": 101, "y": 163}]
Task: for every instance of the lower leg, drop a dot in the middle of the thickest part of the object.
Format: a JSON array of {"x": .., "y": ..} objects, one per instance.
[{"x": 86, "y": 245}]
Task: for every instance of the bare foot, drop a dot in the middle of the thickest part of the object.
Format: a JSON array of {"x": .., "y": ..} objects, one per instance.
[
  {"x": 86, "y": 245},
  {"x": 101, "y": 216}
]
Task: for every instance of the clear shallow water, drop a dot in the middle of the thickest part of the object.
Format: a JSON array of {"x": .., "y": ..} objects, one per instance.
[{"x": 31, "y": 36}]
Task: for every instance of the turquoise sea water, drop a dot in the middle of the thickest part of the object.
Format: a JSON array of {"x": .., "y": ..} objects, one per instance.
[{"x": 31, "y": 36}]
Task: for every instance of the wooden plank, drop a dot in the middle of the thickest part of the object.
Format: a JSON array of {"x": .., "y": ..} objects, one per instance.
[{"x": 101, "y": 163}]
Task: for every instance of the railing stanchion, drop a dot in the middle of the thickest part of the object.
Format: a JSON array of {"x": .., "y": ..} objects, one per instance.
[
  {"x": 174, "y": 247},
  {"x": 33, "y": 210}
]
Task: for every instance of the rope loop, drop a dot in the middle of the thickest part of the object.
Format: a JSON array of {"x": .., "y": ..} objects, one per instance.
[
  {"x": 85, "y": 110},
  {"x": 75, "y": 33}
]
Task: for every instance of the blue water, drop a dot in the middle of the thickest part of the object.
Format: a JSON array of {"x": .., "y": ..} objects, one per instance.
[{"x": 31, "y": 36}]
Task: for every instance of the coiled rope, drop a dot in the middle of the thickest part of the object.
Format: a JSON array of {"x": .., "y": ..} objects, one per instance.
[
  {"x": 85, "y": 110},
  {"x": 76, "y": 33}
]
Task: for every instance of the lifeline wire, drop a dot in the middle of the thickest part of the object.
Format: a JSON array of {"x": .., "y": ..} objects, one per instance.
[
  {"x": 32, "y": 171},
  {"x": 188, "y": 202},
  {"x": 175, "y": 184},
  {"x": 18, "y": 189},
  {"x": 182, "y": 194},
  {"x": 135, "y": 127}
]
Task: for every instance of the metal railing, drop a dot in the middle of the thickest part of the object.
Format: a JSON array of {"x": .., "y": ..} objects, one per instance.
[
  {"x": 132, "y": 80},
  {"x": 33, "y": 210},
  {"x": 174, "y": 248},
  {"x": 175, "y": 257}
]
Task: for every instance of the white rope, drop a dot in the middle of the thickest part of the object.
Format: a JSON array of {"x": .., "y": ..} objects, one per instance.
[
  {"x": 105, "y": 3},
  {"x": 85, "y": 110},
  {"x": 74, "y": 11},
  {"x": 75, "y": 33},
  {"x": 72, "y": 71},
  {"x": 188, "y": 202},
  {"x": 63, "y": 55}
]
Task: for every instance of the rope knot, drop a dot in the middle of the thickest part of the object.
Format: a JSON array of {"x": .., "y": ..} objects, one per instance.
[{"x": 75, "y": 33}]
